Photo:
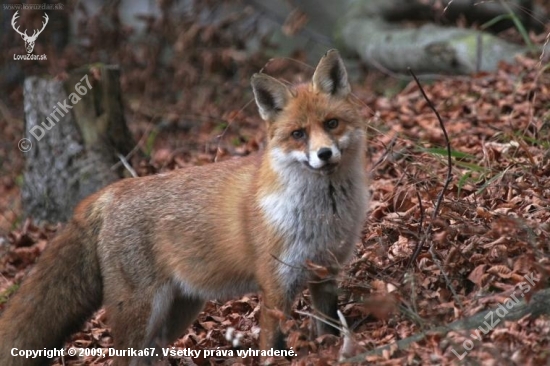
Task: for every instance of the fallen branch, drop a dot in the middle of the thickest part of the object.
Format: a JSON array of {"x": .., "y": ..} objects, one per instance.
[
  {"x": 539, "y": 305},
  {"x": 380, "y": 32}
]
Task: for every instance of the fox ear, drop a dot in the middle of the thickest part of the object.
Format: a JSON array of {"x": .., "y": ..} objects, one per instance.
[
  {"x": 331, "y": 76},
  {"x": 271, "y": 95}
]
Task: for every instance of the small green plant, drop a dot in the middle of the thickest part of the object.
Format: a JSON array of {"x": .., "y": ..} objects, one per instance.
[
  {"x": 6, "y": 294},
  {"x": 517, "y": 22},
  {"x": 220, "y": 127},
  {"x": 150, "y": 142}
]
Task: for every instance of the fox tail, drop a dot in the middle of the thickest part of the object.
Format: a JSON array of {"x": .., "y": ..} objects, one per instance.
[{"x": 61, "y": 292}]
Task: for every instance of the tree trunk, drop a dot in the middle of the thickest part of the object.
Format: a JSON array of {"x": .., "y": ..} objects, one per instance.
[{"x": 75, "y": 130}]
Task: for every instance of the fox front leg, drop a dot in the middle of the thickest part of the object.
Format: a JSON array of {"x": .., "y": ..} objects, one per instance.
[
  {"x": 275, "y": 306},
  {"x": 324, "y": 295}
]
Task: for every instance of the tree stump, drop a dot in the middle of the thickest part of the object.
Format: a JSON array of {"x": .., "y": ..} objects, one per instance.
[{"x": 75, "y": 132}]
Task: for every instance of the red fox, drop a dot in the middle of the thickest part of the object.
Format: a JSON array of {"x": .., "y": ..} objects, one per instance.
[{"x": 153, "y": 249}]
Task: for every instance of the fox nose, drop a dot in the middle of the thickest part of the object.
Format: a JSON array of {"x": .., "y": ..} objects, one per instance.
[{"x": 324, "y": 153}]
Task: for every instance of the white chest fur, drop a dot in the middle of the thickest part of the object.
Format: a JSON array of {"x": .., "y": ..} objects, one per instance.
[{"x": 320, "y": 217}]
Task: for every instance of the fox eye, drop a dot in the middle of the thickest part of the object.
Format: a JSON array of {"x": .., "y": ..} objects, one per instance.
[
  {"x": 332, "y": 123},
  {"x": 298, "y": 134}
]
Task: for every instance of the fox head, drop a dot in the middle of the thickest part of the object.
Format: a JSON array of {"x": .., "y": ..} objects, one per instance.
[{"x": 313, "y": 125}]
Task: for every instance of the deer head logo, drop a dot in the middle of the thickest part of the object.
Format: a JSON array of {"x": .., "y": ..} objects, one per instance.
[{"x": 29, "y": 40}]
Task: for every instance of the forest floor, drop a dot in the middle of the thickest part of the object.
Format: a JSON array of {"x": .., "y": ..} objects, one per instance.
[{"x": 490, "y": 231}]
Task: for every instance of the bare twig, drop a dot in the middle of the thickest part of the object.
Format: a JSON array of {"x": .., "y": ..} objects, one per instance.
[
  {"x": 539, "y": 305},
  {"x": 449, "y": 177},
  {"x": 322, "y": 318},
  {"x": 286, "y": 264},
  {"x": 447, "y": 280},
  {"x": 305, "y": 31},
  {"x": 447, "y": 7},
  {"x": 448, "y": 180},
  {"x": 399, "y": 76},
  {"x": 389, "y": 147},
  {"x": 127, "y": 165},
  {"x": 348, "y": 344},
  {"x": 229, "y": 122},
  {"x": 541, "y": 58},
  {"x": 136, "y": 147},
  {"x": 421, "y": 224}
]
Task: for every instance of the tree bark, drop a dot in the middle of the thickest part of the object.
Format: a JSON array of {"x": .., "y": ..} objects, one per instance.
[
  {"x": 373, "y": 30},
  {"x": 428, "y": 49},
  {"x": 530, "y": 15},
  {"x": 77, "y": 129}
]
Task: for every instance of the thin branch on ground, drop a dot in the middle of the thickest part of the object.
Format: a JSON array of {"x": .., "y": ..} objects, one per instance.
[
  {"x": 539, "y": 305},
  {"x": 448, "y": 180},
  {"x": 419, "y": 245}
]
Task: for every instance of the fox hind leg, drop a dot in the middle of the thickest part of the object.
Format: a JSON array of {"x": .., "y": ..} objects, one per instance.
[
  {"x": 182, "y": 313},
  {"x": 129, "y": 319},
  {"x": 154, "y": 321}
]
